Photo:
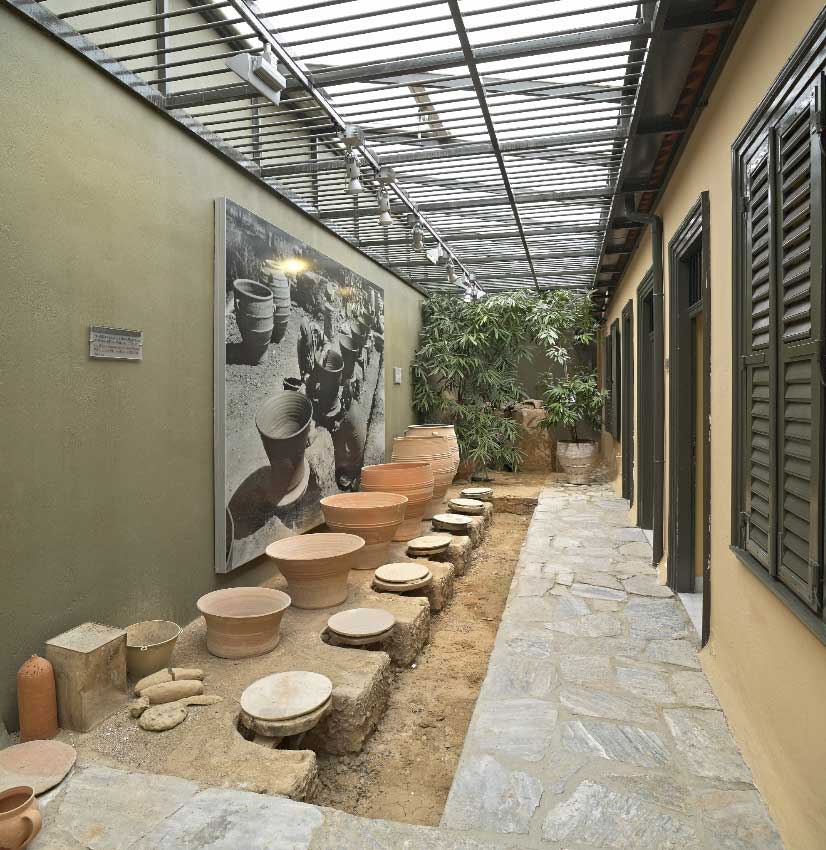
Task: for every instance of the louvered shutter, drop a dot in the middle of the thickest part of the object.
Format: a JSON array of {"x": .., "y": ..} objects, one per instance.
[
  {"x": 758, "y": 364},
  {"x": 799, "y": 326}
]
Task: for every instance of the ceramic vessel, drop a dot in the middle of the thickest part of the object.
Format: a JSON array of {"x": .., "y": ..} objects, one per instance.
[
  {"x": 283, "y": 422},
  {"x": 577, "y": 460},
  {"x": 414, "y": 480},
  {"x": 254, "y": 314},
  {"x": 37, "y": 700},
  {"x": 434, "y": 450},
  {"x": 19, "y": 817},
  {"x": 325, "y": 380},
  {"x": 280, "y": 287},
  {"x": 316, "y": 566},
  {"x": 243, "y": 621},
  {"x": 434, "y": 430},
  {"x": 149, "y": 646},
  {"x": 349, "y": 352},
  {"x": 349, "y": 442},
  {"x": 359, "y": 332},
  {"x": 374, "y": 517}
]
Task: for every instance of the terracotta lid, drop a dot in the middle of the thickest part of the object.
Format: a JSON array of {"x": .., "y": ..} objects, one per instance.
[
  {"x": 284, "y": 696},
  {"x": 477, "y": 492},
  {"x": 467, "y": 506},
  {"x": 402, "y": 586},
  {"x": 404, "y": 571},
  {"x": 430, "y": 543},
  {"x": 452, "y": 521},
  {"x": 361, "y": 622},
  {"x": 39, "y": 764}
]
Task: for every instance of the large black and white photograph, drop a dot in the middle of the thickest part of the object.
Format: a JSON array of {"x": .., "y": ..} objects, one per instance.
[{"x": 299, "y": 383}]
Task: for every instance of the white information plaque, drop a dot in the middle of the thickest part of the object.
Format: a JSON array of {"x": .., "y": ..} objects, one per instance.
[{"x": 115, "y": 343}]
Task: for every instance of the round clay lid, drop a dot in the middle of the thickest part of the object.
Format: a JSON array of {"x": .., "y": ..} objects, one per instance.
[
  {"x": 470, "y": 504},
  {"x": 453, "y": 519},
  {"x": 361, "y": 622},
  {"x": 39, "y": 764},
  {"x": 476, "y": 492},
  {"x": 405, "y": 571},
  {"x": 430, "y": 542},
  {"x": 284, "y": 696}
]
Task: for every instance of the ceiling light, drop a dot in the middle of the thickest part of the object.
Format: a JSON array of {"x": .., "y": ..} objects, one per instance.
[
  {"x": 387, "y": 175},
  {"x": 451, "y": 272},
  {"x": 352, "y": 136},
  {"x": 261, "y": 72},
  {"x": 353, "y": 174},
  {"x": 418, "y": 237},
  {"x": 385, "y": 218}
]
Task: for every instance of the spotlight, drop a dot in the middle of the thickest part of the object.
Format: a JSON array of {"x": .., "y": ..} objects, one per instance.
[
  {"x": 387, "y": 175},
  {"x": 354, "y": 174},
  {"x": 451, "y": 272},
  {"x": 418, "y": 237},
  {"x": 385, "y": 218},
  {"x": 352, "y": 136},
  {"x": 261, "y": 72}
]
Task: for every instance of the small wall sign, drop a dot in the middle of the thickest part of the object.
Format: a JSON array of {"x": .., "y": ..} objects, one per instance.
[
  {"x": 397, "y": 374},
  {"x": 115, "y": 343}
]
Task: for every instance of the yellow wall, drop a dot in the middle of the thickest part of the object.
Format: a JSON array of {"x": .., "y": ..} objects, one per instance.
[
  {"x": 768, "y": 670},
  {"x": 106, "y": 217}
]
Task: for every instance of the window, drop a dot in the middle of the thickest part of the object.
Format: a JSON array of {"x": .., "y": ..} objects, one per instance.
[{"x": 779, "y": 377}]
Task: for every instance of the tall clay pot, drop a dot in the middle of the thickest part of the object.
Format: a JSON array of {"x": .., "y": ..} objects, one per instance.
[
  {"x": 325, "y": 380},
  {"x": 280, "y": 286},
  {"x": 414, "y": 480},
  {"x": 283, "y": 422},
  {"x": 359, "y": 331},
  {"x": 578, "y": 460},
  {"x": 349, "y": 352},
  {"x": 434, "y": 450},
  {"x": 316, "y": 567},
  {"x": 349, "y": 441},
  {"x": 254, "y": 314},
  {"x": 447, "y": 431},
  {"x": 37, "y": 700},
  {"x": 20, "y": 819}
]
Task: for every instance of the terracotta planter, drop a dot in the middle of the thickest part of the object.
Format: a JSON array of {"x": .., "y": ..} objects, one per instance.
[
  {"x": 447, "y": 431},
  {"x": 350, "y": 353},
  {"x": 316, "y": 566},
  {"x": 374, "y": 517},
  {"x": 254, "y": 314},
  {"x": 19, "y": 817},
  {"x": 149, "y": 646},
  {"x": 434, "y": 450},
  {"x": 325, "y": 380},
  {"x": 414, "y": 480},
  {"x": 283, "y": 422},
  {"x": 243, "y": 621},
  {"x": 578, "y": 460}
]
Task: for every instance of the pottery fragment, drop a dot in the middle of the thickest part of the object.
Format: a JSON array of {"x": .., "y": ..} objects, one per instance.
[
  {"x": 170, "y": 674},
  {"x": 172, "y": 691}
]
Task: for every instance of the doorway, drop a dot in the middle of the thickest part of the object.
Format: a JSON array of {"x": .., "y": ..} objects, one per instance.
[
  {"x": 627, "y": 396},
  {"x": 689, "y": 398},
  {"x": 645, "y": 402}
]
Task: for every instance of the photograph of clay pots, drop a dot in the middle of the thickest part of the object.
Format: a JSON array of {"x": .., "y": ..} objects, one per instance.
[{"x": 299, "y": 383}]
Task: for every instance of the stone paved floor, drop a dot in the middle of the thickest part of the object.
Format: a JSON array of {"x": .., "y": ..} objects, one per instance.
[{"x": 595, "y": 727}]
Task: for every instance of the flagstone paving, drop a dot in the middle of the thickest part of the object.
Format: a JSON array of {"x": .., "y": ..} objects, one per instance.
[{"x": 595, "y": 727}]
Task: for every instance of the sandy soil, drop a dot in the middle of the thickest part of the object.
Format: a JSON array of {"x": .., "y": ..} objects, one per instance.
[{"x": 405, "y": 771}]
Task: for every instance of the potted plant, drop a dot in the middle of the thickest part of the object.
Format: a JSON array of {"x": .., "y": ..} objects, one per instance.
[{"x": 570, "y": 402}]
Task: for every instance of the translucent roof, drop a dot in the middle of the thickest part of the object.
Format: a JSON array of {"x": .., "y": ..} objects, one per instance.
[{"x": 504, "y": 122}]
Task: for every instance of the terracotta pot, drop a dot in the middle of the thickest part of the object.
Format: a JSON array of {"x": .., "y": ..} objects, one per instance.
[
  {"x": 149, "y": 646},
  {"x": 414, "y": 480},
  {"x": 447, "y": 431},
  {"x": 578, "y": 460},
  {"x": 243, "y": 621},
  {"x": 283, "y": 422},
  {"x": 349, "y": 352},
  {"x": 37, "y": 700},
  {"x": 349, "y": 441},
  {"x": 254, "y": 314},
  {"x": 374, "y": 517},
  {"x": 434, "y": 450},
  {"x": 19, "y": 817},
  {"x": 325, "y": 380},
  {"x": 316, "y": 566},
  {"x": 280, "y": 287}
]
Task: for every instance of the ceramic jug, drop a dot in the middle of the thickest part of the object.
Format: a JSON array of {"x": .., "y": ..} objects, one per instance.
[{"x": 19, "y": 818}]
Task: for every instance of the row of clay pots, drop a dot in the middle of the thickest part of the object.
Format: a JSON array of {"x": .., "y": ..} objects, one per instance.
[
  {"x": 434, "y": 450},
  {"x": 415, "y": 481}
]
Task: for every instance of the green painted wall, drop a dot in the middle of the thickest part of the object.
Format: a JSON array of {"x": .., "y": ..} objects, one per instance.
[{"x": 107, "y": 218}]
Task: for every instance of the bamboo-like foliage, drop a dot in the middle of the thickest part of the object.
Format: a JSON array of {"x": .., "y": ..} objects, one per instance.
[
  {"x": 572, "y": 400},
  {"x": 466, "y": 369}
]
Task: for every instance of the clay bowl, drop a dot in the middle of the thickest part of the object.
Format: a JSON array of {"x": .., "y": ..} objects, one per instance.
[
  {"x": 372, "y": 516},
  {"x": 316, "y": 566},
  {"x": 243, "y": 621},
  {"x": 414, "y": 480},
  {"x": 149, "y": 646}
]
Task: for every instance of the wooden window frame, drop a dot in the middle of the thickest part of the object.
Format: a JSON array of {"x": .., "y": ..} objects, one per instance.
[{"x": 805, "y": 70}]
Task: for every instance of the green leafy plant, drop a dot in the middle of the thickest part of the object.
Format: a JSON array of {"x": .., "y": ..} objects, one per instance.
[
  {"x": 466, "y": 369},
  {"x": 571, "y": 401}
]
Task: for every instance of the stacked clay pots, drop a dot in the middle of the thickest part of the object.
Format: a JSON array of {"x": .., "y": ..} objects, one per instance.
[
  {"x": 254, "y": 312},
  {"x": 434, "y": 450},
  {"x": 447, "y": 431},
  {"x": 413, "y": 480},
  {"x": 316, "y": 566},
  {"x": 280, "y": 287},
  {"x": 375, "y": 517}
]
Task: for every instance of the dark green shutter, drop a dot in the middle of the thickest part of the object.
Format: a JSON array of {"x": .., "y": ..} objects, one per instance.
[
  {"x": 758, "y": 364},
  {"x": 616, "y": 375},
  {"x": 608, "y": 382},
  {"x": 799, "y": 326}
]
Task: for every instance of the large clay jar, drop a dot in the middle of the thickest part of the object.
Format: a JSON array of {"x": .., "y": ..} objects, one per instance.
[
  {"x": 283, "y": 422},
  {"x": 447, "y": 431},
  {"x": 414, "y": 480},
  {"x": 578, "y": 460},
  {"x": 374, "y": 517},
  {"x": 254, "y": 314},
  {"x": 280, "y": 287},
  {"x": 36, "y": 700},
  {"x": 325, "y": 380},
  {"x": 435, "y": 450},
  {"x": 19, "y": 817},
  {"x": 349, "y": 442},
  {"x": 243, "y": 621},
  {"x": 316, "y": 566},
  {"x": 350, "y": 353}
]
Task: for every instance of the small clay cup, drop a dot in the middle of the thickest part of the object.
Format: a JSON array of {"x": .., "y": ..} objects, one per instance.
[{"x": 20, "y": 819}]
